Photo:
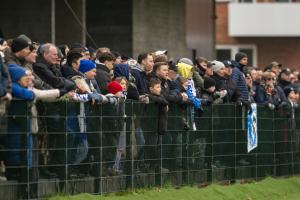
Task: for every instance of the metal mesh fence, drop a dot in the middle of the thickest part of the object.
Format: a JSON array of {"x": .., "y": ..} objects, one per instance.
[{"x": 111, "y": 148}]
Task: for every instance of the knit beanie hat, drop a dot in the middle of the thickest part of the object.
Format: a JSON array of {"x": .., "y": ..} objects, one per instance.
[
  {"x": 18, "y": 44},
  {"x": 16, "y": 72},
  {"x": 86, "y": 65},
  {"x": 186, "y": 61},
  {"x": 239, "y": 56},
  {"x": 217, "y": 65},
  {"x": 209, "y": 82},
  {"x": 114, "y": 87}
]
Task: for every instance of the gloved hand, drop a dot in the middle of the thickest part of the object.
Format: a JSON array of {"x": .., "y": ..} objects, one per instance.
[
  {"x": 221, "y": 93},
  {"x": 271, "y": 106},
  {"x": 112, "y": 99},
  {"x": 62, "y": 92},
  {"x": 94, "y": 96}
]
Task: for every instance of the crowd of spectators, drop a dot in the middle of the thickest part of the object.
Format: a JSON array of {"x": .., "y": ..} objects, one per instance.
[{"x": 45, "y": 72}]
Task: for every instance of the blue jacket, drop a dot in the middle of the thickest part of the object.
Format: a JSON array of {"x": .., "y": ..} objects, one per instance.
[
  {"x": 140, "y": 79},
  {"x": 238, "y": 77},
  {"x": 21, "y": 93}
]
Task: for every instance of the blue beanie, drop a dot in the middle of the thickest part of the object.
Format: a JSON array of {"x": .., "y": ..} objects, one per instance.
[
  {"x": 121, "y": 70},
  {"x": 16, "y": 72},
  {"x": 86, "y": 65}
]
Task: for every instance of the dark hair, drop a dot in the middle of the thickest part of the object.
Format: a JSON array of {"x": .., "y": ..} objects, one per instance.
[
  {"x": 73, "y": 56},
  {"x": 158, "y": 65},
  {"x": 142, "y": 57},
  {"x": 116, "y": 54},
  {"x": 153, "y": 81},
  {"x": 200, "y": 60},
  {"x": 161, "y": 58},
  {"x": 106, "y": 56}
]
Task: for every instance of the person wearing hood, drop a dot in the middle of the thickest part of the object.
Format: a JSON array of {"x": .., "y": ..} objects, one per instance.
[
  {"x": 141, "y": 70},
  {"x": 241, "y": 60}
]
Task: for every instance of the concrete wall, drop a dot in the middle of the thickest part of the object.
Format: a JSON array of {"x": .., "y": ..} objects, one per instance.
[
  {"x": 110, "y": 24},
  {"x": 67, "y": 29},
  {"x": 159, "y": 24},
  {"x": 32, "y": 18}
]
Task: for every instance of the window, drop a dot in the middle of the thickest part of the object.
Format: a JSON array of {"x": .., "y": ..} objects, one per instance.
[{"x": 227, "y": 52}]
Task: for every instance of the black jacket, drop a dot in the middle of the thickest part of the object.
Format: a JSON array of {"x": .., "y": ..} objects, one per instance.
[
  {"x": 162, "y": 112},
  {"x": 52, "y": 75},
  {"x": 5, "y": 82},
  {"x": 103, "y": 77},
  {"x": 233, "y": 93}
]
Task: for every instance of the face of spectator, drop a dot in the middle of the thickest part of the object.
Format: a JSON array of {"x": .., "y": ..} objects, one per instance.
[
  {"x": 156, "y": 89},
  {"x": 185, "y": 85},
  {"x": 222, "y": 72},
  {"x": 67, "y": 50},
  {"x": 31, "y": 57},
  {"x": 294, "y": 78},
  {"x": 203, "y": 65},
  {"x": 109, "y": 64},
  {"x": 292, "y": 96},
  {"x": 172, "y": 75},
  {"x": 76, "y": 64},
  {"x": 286, "y": 77},
  {"x": 254, "y": 74},
  {"x": 162, "y": 72},
  {"x": 148, "y": 64},
  {"x": 123, "y": 83},
  {"x": 211, "y": 89},
  {"x": 86, "y": 55},
  {"x": 90, "y": 74},
  {"x": 23, "y": 53},
  {"x": 228, "y": 71},
  {"x": 248, "y": 80},
  {"x": 3, "y": 46},
  {"x": 244, "y": 61},
  {"x": 208, "y": 72},
  {"x": 118, "y": 60},
  {"x": 276, "y": 70},
  {"x": 24, "y": 81},
  {"x": 51, "y": 56}
]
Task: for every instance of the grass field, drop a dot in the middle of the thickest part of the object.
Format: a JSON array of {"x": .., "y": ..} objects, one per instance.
[{"x": 270, "y": 188}]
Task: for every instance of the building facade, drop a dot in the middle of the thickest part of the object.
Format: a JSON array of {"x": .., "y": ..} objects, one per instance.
[{"x": 266, "y": 30}]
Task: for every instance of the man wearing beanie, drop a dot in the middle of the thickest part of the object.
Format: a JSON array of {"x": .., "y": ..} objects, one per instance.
[
  {"x": 19, "y": 49},
  {"x": 238, "y": 77},
  {"x": 225, "y": 84}
]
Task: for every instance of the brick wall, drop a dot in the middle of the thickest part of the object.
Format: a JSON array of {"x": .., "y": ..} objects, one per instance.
[{"x": 283, "y": 49}]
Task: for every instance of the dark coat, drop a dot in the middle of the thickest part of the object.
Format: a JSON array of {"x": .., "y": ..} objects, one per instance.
[
  {"x": 68, "y": 72},
  {"x": 52, "y": 75},
  {"x": 239, "y": 79},
  {"x": 103, "y": 77},
  {"x": 5, "y": 81},
  {"x": 140, "y": 79},
  {"x": 233, "y": 93},
  {"x": 162, "y": 112}
]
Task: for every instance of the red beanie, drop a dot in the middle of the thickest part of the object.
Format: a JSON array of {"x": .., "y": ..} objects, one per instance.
[{"x": 114, "y": 87}]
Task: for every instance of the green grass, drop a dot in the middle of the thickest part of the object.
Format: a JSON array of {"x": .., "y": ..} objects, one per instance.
[{"x": 270, "y": 188}]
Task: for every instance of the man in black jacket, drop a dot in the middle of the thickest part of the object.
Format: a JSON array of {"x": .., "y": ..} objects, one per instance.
[
  {"x": 224, "y": 82},
  {"x": 45, "y": 67},
  {"x": 105, "y": 65}
]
